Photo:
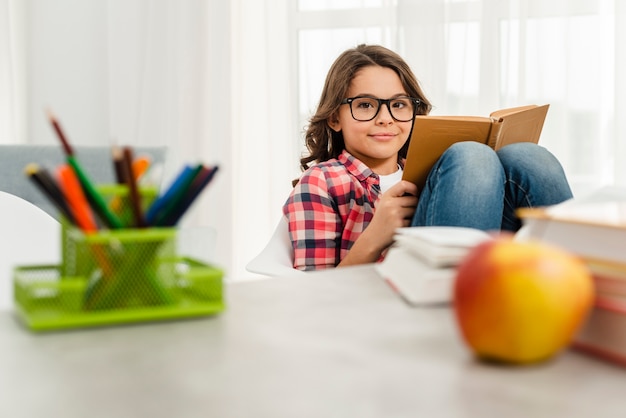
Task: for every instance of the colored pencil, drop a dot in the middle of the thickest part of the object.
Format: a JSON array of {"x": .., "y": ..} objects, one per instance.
[
  {"x": 57, "y": 127},
  {"x": 140, "y": 166},
  {"x": 133, "y": 192},
  {"x": 85, "y": 220},
  {"x": 46, "y": 184},
  {"x": 161, "y": 202},
  {"x": 95, "y": 199},
  {"x": 76, "y": 199},
  {"x": 200, "y": 183},
  {"x": 171, "y": 207},
  {"x": 118, "y": 165}
]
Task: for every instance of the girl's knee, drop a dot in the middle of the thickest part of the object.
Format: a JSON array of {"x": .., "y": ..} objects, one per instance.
[
  {"x": 470, "y": 153},
  {"x": 472, "y": 163},
  {"x": 531, "y": 158}
]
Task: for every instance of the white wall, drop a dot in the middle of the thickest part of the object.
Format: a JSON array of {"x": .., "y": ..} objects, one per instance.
[{"x": 138, "y": 73}]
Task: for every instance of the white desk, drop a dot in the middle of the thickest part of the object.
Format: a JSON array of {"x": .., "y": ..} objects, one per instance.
[{"x": 337, "y": 344}]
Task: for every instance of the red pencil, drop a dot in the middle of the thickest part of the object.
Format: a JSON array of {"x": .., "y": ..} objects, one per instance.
[{"x": 55, "y": 124}]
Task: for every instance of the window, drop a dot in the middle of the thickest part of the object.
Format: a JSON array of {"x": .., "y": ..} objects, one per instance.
[{"x": 473, "y": 57}]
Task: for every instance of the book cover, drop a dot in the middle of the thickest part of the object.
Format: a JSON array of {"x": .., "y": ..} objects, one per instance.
[{"x": 432, "y": 135}]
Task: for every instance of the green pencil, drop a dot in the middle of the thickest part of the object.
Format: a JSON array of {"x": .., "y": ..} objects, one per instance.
[{"x": 96, "y": 200}]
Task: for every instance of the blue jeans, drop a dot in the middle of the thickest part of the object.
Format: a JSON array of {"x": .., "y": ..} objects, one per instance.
[{"x": 474, "y": 186}]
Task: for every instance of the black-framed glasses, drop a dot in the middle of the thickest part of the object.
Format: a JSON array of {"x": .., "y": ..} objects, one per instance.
[{"x": 365, "y": 108}]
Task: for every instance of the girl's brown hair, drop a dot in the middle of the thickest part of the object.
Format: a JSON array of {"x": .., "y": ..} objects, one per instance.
[{"x": 324, "y": 143}]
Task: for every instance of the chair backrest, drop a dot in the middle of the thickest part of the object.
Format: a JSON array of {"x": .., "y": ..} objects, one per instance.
[
  {"x": 28, "y": 236},
  {"x": 95, "y": 160},
  {"x": 276, "y": 259}
]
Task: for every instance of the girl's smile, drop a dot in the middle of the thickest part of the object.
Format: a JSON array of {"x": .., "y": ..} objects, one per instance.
[{"x": 384, "y": 136}]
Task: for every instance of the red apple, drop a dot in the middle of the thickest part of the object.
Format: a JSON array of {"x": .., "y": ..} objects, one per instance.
[{"x": 520, "y": 302}]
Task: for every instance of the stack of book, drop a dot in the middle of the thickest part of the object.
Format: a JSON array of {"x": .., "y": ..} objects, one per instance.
[
  {"x": 594, "y": 228},
  {"x": 421, "y": 265}
]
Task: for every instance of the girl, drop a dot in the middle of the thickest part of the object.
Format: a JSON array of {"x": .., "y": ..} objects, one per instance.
[{"x": 346, "y": 206}]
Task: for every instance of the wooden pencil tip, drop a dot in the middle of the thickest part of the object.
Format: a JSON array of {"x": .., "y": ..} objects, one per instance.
[
  {"x": 49, "y": 113},
  {"x": 31, "y": 169},
  {"x": 116, "y": 152}
]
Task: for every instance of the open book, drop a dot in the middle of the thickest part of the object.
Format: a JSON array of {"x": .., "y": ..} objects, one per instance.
[{"x": 432, "y": 135}]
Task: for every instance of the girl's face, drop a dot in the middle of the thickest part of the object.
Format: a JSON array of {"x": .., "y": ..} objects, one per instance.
[{"x": 376, "y": 142}]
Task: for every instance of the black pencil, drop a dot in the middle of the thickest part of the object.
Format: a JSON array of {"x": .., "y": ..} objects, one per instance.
[
  {"x": 118, "y": 165},
  {"x": 46, "y": 184}
]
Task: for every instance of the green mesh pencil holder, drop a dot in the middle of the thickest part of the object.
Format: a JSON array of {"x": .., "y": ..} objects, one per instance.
[
  {"x": 116, "y": 276},
  {"x": 78, "y": 260},
  {"x": 125, "y": 268}
]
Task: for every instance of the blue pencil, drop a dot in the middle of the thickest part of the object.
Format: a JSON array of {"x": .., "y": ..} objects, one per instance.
[
  {"x": 163, "y": 201},
  {"x": 202, "y": 180},
  {"x": 172, "y": 205}
]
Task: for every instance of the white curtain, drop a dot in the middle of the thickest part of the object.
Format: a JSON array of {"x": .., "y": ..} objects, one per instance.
[
  {"x": 477, "y": 56},
  {"x": 491, "y": 54},
  {"x": 12, "y": 82},
  {"x": 234, "y": 82}
]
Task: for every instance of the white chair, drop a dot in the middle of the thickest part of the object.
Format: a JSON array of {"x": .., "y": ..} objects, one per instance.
[
  {"x": 276, "y": 259},
  {"x": 28, "y": 236}
]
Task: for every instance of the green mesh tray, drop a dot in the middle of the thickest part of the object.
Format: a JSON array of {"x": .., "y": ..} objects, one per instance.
[{"x": 45, "y": 300}]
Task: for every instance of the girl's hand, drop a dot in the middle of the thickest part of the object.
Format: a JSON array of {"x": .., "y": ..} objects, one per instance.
[{"x": 394, "y": 209}]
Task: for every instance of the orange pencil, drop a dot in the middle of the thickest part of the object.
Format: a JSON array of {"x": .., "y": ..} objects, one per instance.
[
  {"x": 140, "y": 166},
  {"x": 73, "y": 192}
]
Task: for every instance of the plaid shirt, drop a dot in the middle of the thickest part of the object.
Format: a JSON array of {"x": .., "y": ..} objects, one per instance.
[{"x": 328, "y": 209}]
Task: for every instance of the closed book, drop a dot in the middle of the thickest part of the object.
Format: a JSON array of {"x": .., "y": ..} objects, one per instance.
[
  {"x": 416, "y": 282},
  {"x": 604, "y": 333},
  {"x": 421, "y": 265},
  {"x": 440, "y": 246},
  {"x": 609, "y": 278},
  {"x": 592, "y": 227}
]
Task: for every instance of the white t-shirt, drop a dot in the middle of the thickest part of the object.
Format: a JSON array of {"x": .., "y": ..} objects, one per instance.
[{"x": 390, "y": 179}]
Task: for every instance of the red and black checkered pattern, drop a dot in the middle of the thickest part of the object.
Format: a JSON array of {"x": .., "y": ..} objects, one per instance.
[{"x": 328, "y": 209}]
